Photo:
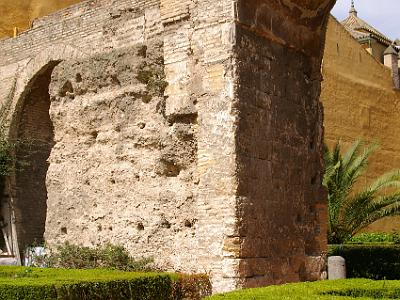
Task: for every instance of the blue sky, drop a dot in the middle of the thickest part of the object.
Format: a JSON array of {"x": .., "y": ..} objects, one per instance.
[{"x": 384, "y": 15}]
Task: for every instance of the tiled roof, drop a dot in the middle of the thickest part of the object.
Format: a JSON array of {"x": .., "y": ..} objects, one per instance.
[{"x": 360, "y": 29}]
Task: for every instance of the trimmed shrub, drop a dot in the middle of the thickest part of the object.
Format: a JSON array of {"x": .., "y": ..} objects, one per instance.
[
  {"x": 373, "y": 261},
  {"x": 97, "y": 284},
  {"x": 31, "y": 283},
  {"x": 322, "y": 290},
  {"x": 375, "y": 237}
]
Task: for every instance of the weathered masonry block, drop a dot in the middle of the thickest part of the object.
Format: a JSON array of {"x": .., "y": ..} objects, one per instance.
[{"x": 189, "y": 131}]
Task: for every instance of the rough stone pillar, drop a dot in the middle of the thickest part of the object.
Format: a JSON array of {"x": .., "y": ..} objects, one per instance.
[
  {"x": 281, "y": 205},
  {"x": 248, "y": 74}
]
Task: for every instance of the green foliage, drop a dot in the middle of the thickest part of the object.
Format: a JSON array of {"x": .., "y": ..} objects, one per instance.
[
  {"x": 98, "y": 284},
  {"x": 7, "y": 153},
  {"x": 6, "y": 158},
  {"x": 108, "y": 256},
  {"x": 368, "y": 293},
  {"x": 373, "y": 261},
  {"x": 6, "y": 146},
  {"x": 74, "y": 257},
  {"x": 351, "y": 211},
  {"x": 374, "y": 237},
  {"x": 396, "y": 238},
  {"x": 322, "y": 290}
]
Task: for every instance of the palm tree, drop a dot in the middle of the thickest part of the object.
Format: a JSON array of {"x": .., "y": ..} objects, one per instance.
[{"x": 349, "y": 210}]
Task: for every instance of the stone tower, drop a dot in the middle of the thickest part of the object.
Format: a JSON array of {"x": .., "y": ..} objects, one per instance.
[{"x": 391, "y": 60}]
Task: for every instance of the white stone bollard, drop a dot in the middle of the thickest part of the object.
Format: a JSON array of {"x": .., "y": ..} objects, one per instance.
[{"x": 336, "y": 267}]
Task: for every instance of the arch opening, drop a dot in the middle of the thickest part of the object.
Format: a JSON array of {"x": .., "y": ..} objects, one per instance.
[{"x": 33, "y": 130}]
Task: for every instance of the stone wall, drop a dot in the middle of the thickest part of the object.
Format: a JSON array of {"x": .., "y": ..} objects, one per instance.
[
  {"x": 79, "y": 31},
  {"x": 120, "y": 172},
  {"x": 98, "y": 25},
  {"x": 20, "y": 14},
  {"x": 278, "y": 143},
  {"x": 281, "y": 205},
  {"x": 183, "y": 130},
  {"x": 200, "y": 71}
]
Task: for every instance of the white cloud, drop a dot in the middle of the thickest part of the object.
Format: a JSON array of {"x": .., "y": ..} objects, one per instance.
[{"x": 384, "y": 15}]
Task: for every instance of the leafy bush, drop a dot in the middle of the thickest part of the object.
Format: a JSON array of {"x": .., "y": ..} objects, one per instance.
[
  {"x": 108, "y": 256},
  {"x": 34, "y": 283},
  {"x": 322, "y": 290},
  {"x": 193, "y": 287},
  {"x": 374, "y": 261}
]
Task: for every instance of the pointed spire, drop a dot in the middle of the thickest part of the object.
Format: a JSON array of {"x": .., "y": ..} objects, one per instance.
[{"x": 353, "y": 10}]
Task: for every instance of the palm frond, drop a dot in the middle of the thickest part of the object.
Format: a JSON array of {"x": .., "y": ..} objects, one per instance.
[
  {"x": 386, "y": 211},
  {"x": 350, "y": 212},
  {"x": 352, "y": 153},
  {"x": 388, "y": 180}
]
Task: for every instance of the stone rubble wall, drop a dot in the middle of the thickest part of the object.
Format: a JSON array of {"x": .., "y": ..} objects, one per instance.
[
  {"x": 128, "y": 166},
  {"x": 119, "y": 171}
]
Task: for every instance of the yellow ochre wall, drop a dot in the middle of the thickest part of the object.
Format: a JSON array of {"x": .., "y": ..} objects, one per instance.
[
  {"x": 360, "y": 102},
  {"x": 20, "y": 13}
]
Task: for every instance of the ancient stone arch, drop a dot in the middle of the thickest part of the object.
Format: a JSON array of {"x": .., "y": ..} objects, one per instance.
[
  {"x": 242, "y": 97},
  {"x": 31, "y": 130},
  {"x": 28, "y": 69}
]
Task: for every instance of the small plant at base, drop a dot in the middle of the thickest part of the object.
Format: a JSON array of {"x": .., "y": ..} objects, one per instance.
[{"x": 108, "y": 256}]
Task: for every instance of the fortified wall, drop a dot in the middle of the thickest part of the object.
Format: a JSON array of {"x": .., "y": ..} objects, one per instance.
[
  {"x": 189, "y": 131},
  {"x": 360, "y": 102},
  {"x": 17, "y": 16}
]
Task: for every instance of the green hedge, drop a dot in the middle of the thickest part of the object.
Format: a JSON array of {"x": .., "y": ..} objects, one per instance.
[
  {"x": 322, "y": 290},
  {"x": 373, "y": 261},
  {"x": 375, "y": 237},
  {"x": 45, "y": 284}
]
